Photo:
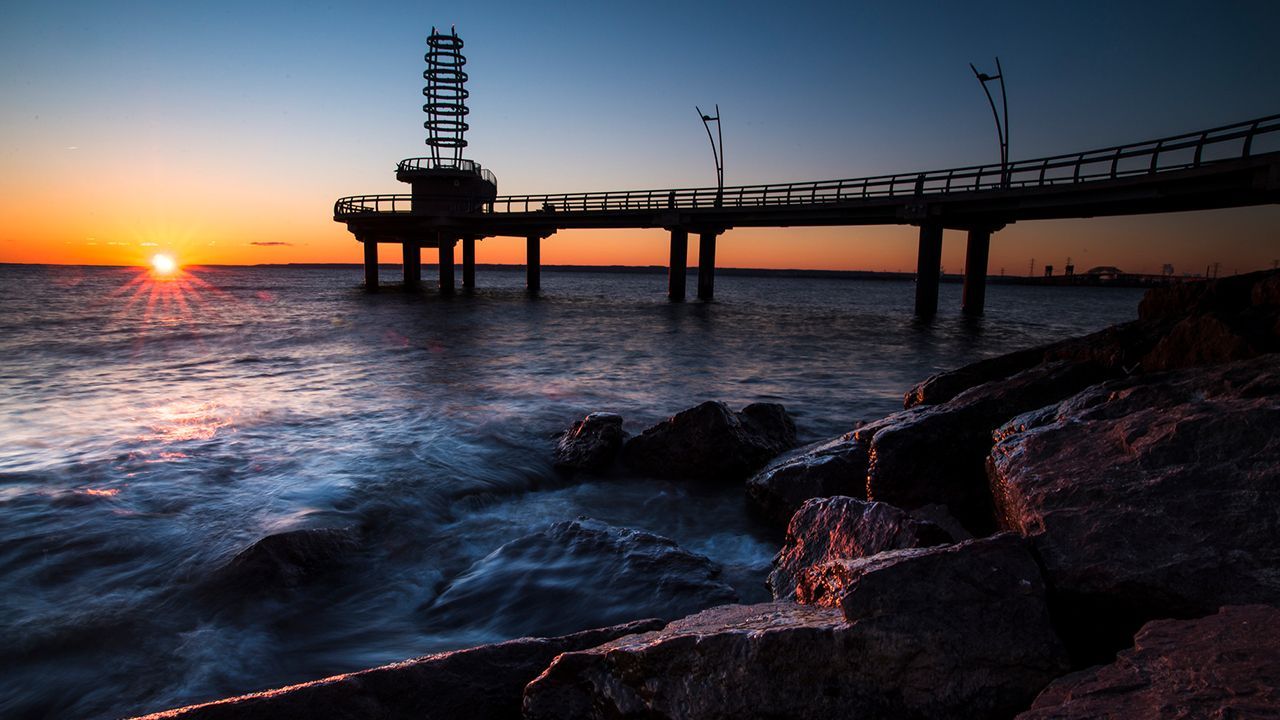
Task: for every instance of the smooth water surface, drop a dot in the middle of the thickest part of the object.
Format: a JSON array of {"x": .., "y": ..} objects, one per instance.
[{"x": 150, "y": 430}]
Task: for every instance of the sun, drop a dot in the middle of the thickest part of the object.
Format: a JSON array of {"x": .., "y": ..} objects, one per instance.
[{"x": 163, "y": 264}]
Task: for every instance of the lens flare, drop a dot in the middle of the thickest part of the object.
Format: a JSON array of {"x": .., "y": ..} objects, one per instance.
[{"x": 163, "y": 264}]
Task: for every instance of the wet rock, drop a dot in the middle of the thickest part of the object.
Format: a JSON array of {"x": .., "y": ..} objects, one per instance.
[
  {"x": 1156, "y": 496},
  {"x": 479, "y": 682},
  {"x": 712, "y": 442},
  {"x": 834, "y": 467},
  {"x": 943, "y": 386},
  {"x": 965, "y": 636},
  {"x": 591, "y": 444},
  {"x": 1222, "y": 666},
  {"x": 937, "y": 454},
  {"x": 289, "y": 559},
  {"x": 835, "y": 528},
  {"x": 553, "y": 581},
  {"x": 1198, "y": 340}
]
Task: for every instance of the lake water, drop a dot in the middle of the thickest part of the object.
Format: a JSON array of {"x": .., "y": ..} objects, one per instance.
[{"x": 151, "y": 430}]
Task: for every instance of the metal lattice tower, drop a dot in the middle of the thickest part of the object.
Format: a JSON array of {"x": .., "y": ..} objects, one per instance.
[{"x": 446, "y": 107}]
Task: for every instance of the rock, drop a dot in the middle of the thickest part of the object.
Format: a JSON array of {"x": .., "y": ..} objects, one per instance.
[
  {"x": 937, "y": 454},
  {"x": 551, "y": 582},
  {"x": 834, "y": 528},
  {"x": 1222, "y": 666},
  {"x": 289, "y": 559},
  {"x": 480, "y": 682},
  {"x": 961, "y": 636},
  {"x": 1156, "y": 496},
  {"x": 1198, "y": 340},
  {"x": 1227, "y": 295},
  {"x": 591, "y": 444},
  {"x": 834, "y": 467},
  {"x": 1266, "y": 292},
  {"x": 712, "y": 442},
  {"x": 943, "y": 386}
]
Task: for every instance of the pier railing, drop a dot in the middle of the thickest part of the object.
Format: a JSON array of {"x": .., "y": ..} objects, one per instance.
[
  {"x": 426, "y": 163},
  {"x": 1178, "y": 152}
]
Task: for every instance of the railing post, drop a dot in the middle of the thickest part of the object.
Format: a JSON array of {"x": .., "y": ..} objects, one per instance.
[
  {"x": 371, "y": 265},
  {"x": 1115, "y": 162},
  {"x": 927, "y": 272},
  {"x": 1248, "y": 139},
  {"x": 1155, "y": 156},
  {"x": 1200, "y": 148}
]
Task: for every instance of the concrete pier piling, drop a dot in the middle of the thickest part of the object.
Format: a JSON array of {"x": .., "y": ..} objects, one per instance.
[
  {"x": 446, "y": 265},
  {"x": 412, "y": 265},
  {"x": 370, "y": 266},
  {"x": 927, "y": 270},
  {"x": 533, "y": 264},
  {"x": 706, "y": 266},
  {"x": 468, "y": 263},
  {"x": 974, "y": 296},
  {"x": 679, "y": 264}
]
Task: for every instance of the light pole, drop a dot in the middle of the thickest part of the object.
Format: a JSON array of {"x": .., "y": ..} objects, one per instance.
[
  {"x": 717, "y": 150},
  {"x": 1002, "y": 127}
]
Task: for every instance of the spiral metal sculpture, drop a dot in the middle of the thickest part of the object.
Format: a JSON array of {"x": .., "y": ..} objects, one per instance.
[{"x": 446, "y": 107}]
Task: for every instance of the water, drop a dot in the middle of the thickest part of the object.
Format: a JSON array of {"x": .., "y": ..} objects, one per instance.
[{"x": 150, "y": 431}]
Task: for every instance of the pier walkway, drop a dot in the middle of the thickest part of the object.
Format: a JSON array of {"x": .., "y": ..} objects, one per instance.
[{"x": 1234, "y": 165}]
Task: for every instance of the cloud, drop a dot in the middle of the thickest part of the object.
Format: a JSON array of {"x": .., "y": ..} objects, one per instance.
[{"x": 270, "y": 244}]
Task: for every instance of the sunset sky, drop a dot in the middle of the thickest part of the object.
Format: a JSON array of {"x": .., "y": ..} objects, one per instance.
[{"x": 223, "y": 132}]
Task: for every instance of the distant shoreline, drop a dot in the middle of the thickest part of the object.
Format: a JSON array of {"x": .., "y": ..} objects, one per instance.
[{"x": 1129, "y": 280}]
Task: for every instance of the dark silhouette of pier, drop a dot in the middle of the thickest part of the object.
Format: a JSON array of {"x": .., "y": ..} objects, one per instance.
[{"x": 455, "y": 200}]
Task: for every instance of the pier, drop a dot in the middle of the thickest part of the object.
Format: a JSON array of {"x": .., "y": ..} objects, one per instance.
[{"x": 452, "y": 200}]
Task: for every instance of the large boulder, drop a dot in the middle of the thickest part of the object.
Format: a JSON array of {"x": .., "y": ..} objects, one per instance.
[
  {"x": 289, "y": 559},
  {"x": 834, "y": 467},
  {"x": 1199, "y": 340},
  {"x": 1222, "y": 666},
  {"x": 835, "y": 528},
  {"x": 711, "y": 442},
  {"x": 1156, "y": 496},
  {"x": 479, "y": 682},
  {"x": 552, "y": 582},
  {"x": 941, "y": 387},
  {"x": 937, "y": 454},
  {"x": 591, "y": 444},
  {"x": 965, "y": 636}
]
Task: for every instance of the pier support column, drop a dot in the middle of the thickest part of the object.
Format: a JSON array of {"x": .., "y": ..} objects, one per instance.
[
  {"x": 446, "y": 264},
  {"x": 706, "y": 266},
  {"x": 927, "y": 274},
  {"x": 412, "y": 265},
  {"x": 679, "y": 265},
  {"x": 371, "y": 266},
  {"x": 975, "y": 272},
  {"x": 533, "y": 264},
  {"x": 468, "y": 263}
]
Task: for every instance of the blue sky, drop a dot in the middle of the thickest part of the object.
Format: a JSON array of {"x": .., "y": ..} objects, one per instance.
[{"x": 320, "y": 100}]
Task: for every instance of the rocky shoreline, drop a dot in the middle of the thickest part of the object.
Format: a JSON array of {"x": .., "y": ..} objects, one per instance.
[{"x": 1085, "y": 529}]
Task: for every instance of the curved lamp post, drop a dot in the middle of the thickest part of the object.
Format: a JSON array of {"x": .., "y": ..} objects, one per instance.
[
  {"x": 1002, "y": 128},
  {"x": 717, "y": 151}
]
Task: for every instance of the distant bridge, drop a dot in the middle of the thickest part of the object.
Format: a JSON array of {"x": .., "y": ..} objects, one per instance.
[{"x": 1234, "y": 165}]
